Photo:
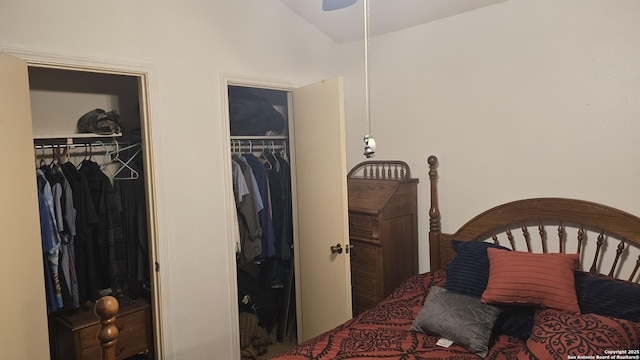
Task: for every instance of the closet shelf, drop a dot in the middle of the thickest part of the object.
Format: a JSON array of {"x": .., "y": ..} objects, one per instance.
[
  {"x": 275, "y": 137},
  {"x": 74, "y": 136}
]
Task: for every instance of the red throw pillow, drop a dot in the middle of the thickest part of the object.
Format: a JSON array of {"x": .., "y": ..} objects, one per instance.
[
  {"x": 557, "y": 334},
  {"x": 522, "y": 278}
]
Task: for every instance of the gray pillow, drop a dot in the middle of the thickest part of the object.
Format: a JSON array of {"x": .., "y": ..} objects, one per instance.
[{"x": 460, "y": 318}]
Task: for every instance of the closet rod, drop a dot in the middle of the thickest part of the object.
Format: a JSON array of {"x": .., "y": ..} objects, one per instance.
[
  {"x": 260, "y": 138},
  {"x": 258, "y": 145},
  {"x": 75, "y": 145}
]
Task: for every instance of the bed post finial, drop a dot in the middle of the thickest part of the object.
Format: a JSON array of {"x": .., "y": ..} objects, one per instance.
[
  {"x": 434, "y": 215},
  {"x": 107, "y": 308},
  {"x": 434, "y": 211}
]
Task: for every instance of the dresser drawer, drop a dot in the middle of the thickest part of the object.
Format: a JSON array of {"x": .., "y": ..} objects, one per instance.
[
  {"x": 134, "y": 343},
  {"x": 77, "y": 333},
  {"x": 364, "y": 288},
  {"x": 363, "y": 255},
  {"x": 365, "y": 277},
  {"x": 132, "y": 334},
  {"x": 364, "y": 227}
]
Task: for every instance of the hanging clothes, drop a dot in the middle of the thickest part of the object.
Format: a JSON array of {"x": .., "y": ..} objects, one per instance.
[
  {"x": 280, "y": 189},
  {"x": 260, "y": 174},
  {"x": 66, "y": 220},
  {"x": 111, "y": 252},
  {"x": 90, "y": 243},
  {"x": 286, "y": 242},
  {"x": 84, "y": 242},
  {"x": 134, "y": 224},
  {"x": 50, "y": 242},
  {"x": 248, "y": 209},
  {"x": 240, "y": 190}
]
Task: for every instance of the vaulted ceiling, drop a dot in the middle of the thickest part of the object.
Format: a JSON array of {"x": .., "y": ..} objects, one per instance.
[{"x": 384, "y": 16}]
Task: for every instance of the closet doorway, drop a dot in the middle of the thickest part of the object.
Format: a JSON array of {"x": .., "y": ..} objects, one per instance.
[
  {"x": 306, "y": 125},
  {"x": 50, "y": 95}
]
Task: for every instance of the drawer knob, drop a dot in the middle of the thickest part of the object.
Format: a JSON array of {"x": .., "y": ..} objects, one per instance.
[{"x": 336, "y": 249}]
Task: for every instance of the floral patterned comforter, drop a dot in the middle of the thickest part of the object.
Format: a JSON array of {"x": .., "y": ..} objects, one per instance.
[{"x": 383, "y": 332}]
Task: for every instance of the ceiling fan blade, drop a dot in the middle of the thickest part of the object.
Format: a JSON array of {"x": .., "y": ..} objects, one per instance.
[{"x": 328, "y": 5}]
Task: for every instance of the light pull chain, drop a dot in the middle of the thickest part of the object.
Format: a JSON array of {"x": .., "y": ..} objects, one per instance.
[{"x": 369, "y": 142}]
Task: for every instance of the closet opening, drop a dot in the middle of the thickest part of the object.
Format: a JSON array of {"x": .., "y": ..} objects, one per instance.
[
  {"x": 92, "y": 154},
  {"x": 263, "y": 237},
  {"x": 314, "y": 143}
]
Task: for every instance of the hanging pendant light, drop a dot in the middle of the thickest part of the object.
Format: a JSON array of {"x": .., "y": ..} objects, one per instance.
[{"x": 369, "y": 141}]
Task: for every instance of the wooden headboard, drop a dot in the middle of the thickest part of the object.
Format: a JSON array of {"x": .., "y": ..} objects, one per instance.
[{"x": 523, "y": 225}]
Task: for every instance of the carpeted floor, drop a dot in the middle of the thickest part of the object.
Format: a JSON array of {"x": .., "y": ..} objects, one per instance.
[{"x": 275, "y": 349}]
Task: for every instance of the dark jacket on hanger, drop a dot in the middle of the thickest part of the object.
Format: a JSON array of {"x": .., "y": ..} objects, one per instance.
[
  {"x": 134, "y": 224},
  {"x": 286, "y": 244},
  {"x": 84, "y": 242},
  {"x": 111, "y": 248}
]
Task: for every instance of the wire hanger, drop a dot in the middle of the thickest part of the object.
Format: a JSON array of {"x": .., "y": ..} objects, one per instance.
[
  {"x": 113, "y": 157},
  {"x": 283, "y": 152},
  {"x": 107, "y": 155},
  {"x": 133, "y": 173}
]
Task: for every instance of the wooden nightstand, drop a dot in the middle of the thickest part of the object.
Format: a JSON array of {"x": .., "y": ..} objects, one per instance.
[{"x": 76, "y": 332}]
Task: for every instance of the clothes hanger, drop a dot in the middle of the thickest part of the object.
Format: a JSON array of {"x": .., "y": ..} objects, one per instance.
[
  {"x": 106, "y": 156},
  {"x": 283, "y": 152},
  {"x": 55, "y": 151},
  {"x": 273, "y": 159},
  {"x": 235, "y": 147},
  {"x": 64, "y": 157},
  {"x": 88, "y": 153},
  {"x": 117, "y": 151},
  {"x": 114, "y": 157},
  {"x": 42, "y": 162},
  {"x": 133, "y": 173},
  {"x": 263, "y": 159}
]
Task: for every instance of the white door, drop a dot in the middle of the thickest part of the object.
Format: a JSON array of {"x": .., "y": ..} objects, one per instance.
[
  {"x": 323, "y": 278},
  {"x": 22, "y": 308}
]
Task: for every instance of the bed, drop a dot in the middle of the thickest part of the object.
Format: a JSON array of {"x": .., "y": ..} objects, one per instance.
[{"x": 543, "y": 278}]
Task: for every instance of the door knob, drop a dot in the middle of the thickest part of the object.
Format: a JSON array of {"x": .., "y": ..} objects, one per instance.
[{"x": 336, "y": 249}]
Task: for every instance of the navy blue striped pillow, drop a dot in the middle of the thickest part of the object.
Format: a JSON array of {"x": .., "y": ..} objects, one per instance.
[
  {"x": 468, "y": 272},
  {"x": 607, "y": 297}
]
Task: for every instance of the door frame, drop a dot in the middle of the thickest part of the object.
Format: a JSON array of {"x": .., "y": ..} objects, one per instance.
[
  {"x": 227, "y": 80},
  {"x": 150, "y": 134}
]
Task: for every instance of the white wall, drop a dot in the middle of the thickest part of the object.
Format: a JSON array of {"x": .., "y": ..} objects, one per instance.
[
  {"x": 188, "y": 44},
  {"x": 521, "y": 99},
  {"x": 524, "y": 98}
]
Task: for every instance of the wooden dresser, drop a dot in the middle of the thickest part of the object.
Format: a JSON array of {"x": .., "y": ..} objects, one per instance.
[
  {"x": 76, "y": 332},
  {"x": 383, "y": 229}
]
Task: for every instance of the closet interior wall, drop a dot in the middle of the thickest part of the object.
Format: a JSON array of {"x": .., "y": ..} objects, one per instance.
[
  {"x": 110, "y": 253},
  {"x": 264, "y": 241}
]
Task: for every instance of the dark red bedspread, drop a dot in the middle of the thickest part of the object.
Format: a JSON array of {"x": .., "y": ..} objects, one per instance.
[{"x": 383, "y": 332}]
